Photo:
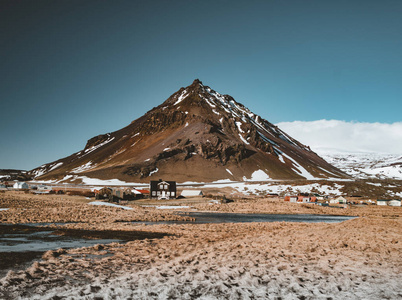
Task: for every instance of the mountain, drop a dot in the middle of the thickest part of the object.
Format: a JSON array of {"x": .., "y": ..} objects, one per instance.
[
  {"x": 196, "y": 135},
  {"x": 11, "y": 174},
  {"x": 367, "y": 165}
]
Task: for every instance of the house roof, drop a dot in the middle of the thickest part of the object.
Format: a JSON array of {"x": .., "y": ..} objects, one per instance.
[{"x": 143, "y": 191}]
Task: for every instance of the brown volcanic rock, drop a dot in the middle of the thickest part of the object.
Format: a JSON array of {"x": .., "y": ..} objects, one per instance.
[{"x": 197, "y": 134}]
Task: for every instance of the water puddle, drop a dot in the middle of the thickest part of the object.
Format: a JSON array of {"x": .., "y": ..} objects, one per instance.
[
  {"x": 206, "y": 217},
  {"x": 22, "y": 238},
  {"x": 22, "y": 244}
]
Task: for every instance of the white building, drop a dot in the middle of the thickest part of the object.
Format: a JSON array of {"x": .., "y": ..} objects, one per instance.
[
  {"x": 191, "y": 193},
  {"x": 44, "y": 188},
  {"x": 394, "y": 203},
  {"x": 20, "y": 185},
  {"x": 382, "y": 202},
  {"x": 341, "y": 200}
]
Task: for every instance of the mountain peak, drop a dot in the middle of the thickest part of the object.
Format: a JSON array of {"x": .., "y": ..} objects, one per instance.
[
  {"x": 197, "y": 82},
  {"x": 197, "y": 134}
]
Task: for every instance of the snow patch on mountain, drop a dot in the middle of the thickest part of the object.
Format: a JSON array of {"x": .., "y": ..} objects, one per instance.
[
  {"x": 89, "y": 165},
  {"x": 182, "y": 96},
  {"x": 93, "y": 148}
]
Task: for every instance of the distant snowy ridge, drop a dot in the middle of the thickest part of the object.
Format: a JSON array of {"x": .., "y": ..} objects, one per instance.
[{"x": 367, "y": 165}]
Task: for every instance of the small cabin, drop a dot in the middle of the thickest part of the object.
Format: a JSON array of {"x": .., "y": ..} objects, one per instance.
[
  {"x": 44, "y": 189},
  {"x": 394, "y": 202},
  {"x": 386, "y": 202},
  {"x": 162, "y": 189},
  {"x": 341, "y": 200},
  {"x": 382, "y": 202},
  {"x": 115, "y": 194},
  {"x": 103, "y": 193},
  {"x": 292, "y": 199}
]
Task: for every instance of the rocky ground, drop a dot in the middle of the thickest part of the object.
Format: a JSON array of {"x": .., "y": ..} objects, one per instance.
[{"x": 355, "y": 259}]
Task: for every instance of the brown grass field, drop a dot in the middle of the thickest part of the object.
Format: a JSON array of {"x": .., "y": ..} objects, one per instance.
[{"x": 354, "y": 259}]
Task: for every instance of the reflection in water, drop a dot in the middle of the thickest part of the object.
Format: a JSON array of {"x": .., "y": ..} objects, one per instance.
[{"x": 43, "y": 240}]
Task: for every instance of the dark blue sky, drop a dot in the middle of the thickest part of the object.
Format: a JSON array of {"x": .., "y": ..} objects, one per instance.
[{"x": 70, "y": 70}]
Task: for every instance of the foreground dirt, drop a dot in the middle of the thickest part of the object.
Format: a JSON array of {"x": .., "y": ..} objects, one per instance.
[{"x": 355, "y": 259}]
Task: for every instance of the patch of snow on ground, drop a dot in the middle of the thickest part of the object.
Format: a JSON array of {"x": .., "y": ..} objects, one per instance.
[
  {"x": 281, "y": 157},
  {"x": 67, "y": 177},
  {"x": 55, "y": 166},
  {"x": 243, "y": 139},
  {"x": 153, "y": 172},
  {"x": 89, "y": 150},
  {"x": 303, "y": 172},
  {"x": 95, "y": 181},
  {"x": 326, "y": 171},
  {"x": 248, "y": 188},
  {"x": 398, "y": 194},
  {"x": 229, "y": 172},
  {"x": 209, "y": 103},
  {"x": 39, "y": 172},
  {"x": 44, "y": 181},
  {"x": 166, "y": 149},
  {"x": 238, "y": 124},
  {"x": 2, "y": 209},
  {"x": 82, "y": 168},
  {"x": 109, "y": 204},
  {"x": 259, "y": 175},
  {"x": 182, "y": 96},
  {"x": 171, "y": 207},
  {"x": 375, "y": 184}
]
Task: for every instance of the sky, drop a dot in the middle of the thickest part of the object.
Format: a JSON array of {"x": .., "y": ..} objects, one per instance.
[
  {"x": 328, "y": 137},
  {"x": 73, "y": 69}
]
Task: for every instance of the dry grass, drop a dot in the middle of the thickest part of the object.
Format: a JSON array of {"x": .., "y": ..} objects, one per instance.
[
  {"x": 26, "y": 208},
  {"x": 278, "y": 206},
  {"x": 355, "y": 259}
]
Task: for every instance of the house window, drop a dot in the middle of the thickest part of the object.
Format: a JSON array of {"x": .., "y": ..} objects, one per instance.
[
  {"x": 153, "y": 193},
  {"x": 172, "y": 194},
  {"x": 167, "y": 193},
  {"x": 165, "y": 187},
  {"x": 158, "y": 193}
]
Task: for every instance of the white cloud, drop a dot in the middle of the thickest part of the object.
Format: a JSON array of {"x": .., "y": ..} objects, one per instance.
[{"x": 325, "y": 136}]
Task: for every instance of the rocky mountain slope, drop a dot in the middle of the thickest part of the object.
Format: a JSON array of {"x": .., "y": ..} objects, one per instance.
[
  {"x": 11, "y": 174},
  {"x": 196, "y": 135}
]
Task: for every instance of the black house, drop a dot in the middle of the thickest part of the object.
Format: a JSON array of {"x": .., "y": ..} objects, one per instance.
[{"x": 162, "y": 189}]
